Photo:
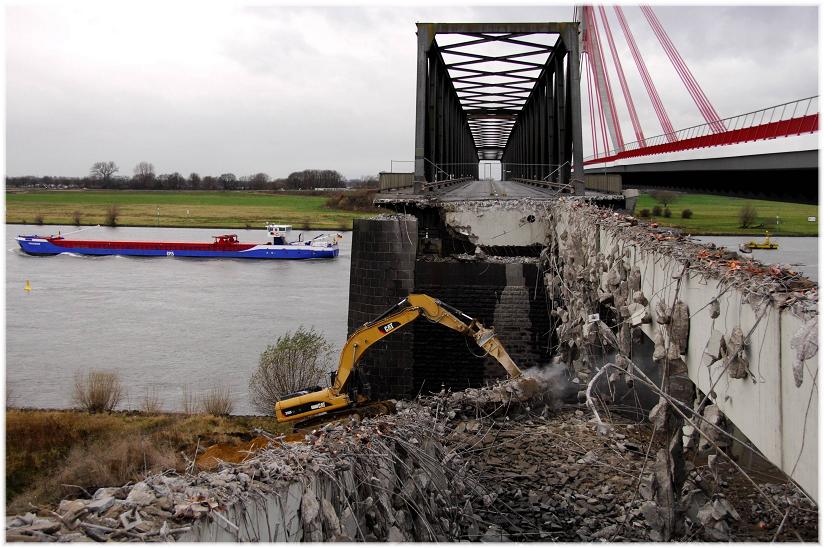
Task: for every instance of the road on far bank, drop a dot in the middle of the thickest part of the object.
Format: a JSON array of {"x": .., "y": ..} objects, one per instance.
[
  {"x": 196, "y": 209},
  {"x": 719, "y": 215}
]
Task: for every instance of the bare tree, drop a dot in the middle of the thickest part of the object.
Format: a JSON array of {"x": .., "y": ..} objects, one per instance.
[
  {"x": 665, "y": 197},
  {"x": 747, "y": 215},
  {"x": 228, "y": 180},
  {"x": 151, "y": 404},
  {"x": 112, "y": 213},
  {"x": 144, "y": 173},
  {"x": 104, "y": 170},
  {"x": 295, "y": 362}
]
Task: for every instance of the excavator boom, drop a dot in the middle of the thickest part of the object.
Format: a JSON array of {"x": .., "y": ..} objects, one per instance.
[{"x": 342, "y": 395}]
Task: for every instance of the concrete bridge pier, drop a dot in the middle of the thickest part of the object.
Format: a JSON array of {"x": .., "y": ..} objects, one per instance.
[{"x": 382, "y": 274}]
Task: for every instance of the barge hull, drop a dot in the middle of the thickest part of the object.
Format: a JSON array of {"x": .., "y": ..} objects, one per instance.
[{"x": 43, "y": 247}]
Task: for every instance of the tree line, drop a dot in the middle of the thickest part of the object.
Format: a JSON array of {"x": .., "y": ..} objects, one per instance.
[{"x": 104, "y": 175}]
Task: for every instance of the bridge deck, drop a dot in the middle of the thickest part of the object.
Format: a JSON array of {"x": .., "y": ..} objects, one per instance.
[
  {"x": 483, "y": 190},
  {"x": 500, "y": 190}
]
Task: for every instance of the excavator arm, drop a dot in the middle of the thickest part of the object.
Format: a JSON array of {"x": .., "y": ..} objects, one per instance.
[{"x": 307, "y": 404}]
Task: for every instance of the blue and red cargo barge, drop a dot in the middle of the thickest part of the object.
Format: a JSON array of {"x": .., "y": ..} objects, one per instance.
[{"x": 223, "y": 246}]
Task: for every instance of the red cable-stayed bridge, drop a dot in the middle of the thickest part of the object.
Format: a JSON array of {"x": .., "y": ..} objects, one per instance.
[{"x": 751, "y": 153}]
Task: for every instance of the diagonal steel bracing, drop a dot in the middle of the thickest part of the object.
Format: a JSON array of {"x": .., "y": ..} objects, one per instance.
[{"x": 498, "y": 91}]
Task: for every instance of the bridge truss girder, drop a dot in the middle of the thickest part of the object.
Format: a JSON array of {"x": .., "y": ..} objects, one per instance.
[{"x": 535, "y": 131}]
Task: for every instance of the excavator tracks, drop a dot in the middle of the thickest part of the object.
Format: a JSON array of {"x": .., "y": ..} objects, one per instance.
[
  {"x": 236, "y": 453},
  {"x": 371, "y": 409}
]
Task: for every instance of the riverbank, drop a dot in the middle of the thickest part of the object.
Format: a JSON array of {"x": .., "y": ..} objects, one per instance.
[
  {"x": 173, "y": 209},
  {"x": 51, "y": 454},
  {"x": 719, "y": 215}
]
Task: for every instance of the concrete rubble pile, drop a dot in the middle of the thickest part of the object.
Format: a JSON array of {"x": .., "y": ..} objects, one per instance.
[
  {"x": 478, "y": 256},
  {"x": 551, "y": 476},
  {"x": 389, "y": 478},
  {"x": 492, "y": 464}
]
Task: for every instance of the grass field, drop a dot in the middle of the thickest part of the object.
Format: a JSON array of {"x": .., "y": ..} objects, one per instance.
[
  {"x": 718, "y": 215},
  {"x": 178, "y": 209}
]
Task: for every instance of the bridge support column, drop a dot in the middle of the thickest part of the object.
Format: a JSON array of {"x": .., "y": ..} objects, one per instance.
[{"x": 382, "y": 274}]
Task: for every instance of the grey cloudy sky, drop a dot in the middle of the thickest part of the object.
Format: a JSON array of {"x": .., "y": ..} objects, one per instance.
[{"x": 218, "y": 88}]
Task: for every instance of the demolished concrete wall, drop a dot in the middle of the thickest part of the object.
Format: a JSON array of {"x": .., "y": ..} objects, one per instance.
[{"x": 744, "y": 333}]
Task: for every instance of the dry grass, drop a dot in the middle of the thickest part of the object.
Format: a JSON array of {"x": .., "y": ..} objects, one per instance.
[
  {"x": 97, "y": 391},
  {"x": 47, "y": 450},
  {"x": 217, "y": 401},
  {"x": 115, "y": 462}
]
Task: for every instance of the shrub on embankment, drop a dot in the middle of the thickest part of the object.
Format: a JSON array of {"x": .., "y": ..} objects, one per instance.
[
  {"x": 53, "y": 454},
  {"x": 97, "y": 391},
  {"x": 296, "y": 361},
  {"x": 357, "y": 200}
]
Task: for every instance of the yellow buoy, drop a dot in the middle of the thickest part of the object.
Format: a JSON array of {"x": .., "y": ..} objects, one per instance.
[{"x": 28, "y": 287}]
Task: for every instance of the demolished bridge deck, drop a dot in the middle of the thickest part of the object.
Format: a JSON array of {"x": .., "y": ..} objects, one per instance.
[{"x": 483, "y": 190}]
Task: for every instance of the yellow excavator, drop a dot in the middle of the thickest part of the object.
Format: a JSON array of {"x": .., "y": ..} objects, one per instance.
[{"x": 346, "y": 393}]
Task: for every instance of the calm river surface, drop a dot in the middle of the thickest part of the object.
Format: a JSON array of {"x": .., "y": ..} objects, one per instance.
[
  {"x": 799, "y": 252},
  {"x": 165, "y": 323},
  {"x": 161, "y": 323}
]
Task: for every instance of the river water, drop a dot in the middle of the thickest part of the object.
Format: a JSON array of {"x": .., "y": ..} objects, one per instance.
[
  {"x": 801, "y": 253},
  {"x": 165, "y": 323},
  {"x": 161, "y": 323}
]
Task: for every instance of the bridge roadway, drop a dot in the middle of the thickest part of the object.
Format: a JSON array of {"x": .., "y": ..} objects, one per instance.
[
  {"x": 496, "y": 190},
  {"x": 485, "y": 190}
]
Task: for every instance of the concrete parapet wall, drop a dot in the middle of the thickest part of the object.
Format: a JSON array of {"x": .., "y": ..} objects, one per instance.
[
  {"x": 395, "y": 181},
  {"x": 772, "y": 405},
  {"x": 604, "y": 182}
]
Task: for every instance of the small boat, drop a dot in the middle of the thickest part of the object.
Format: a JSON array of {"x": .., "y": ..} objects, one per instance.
[
  {"x": 223, "y": 246},
  {"x": 766, "y": 244}
]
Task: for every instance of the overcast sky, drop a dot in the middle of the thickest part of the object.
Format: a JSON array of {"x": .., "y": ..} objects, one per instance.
[{"x": 218, "y": 88}]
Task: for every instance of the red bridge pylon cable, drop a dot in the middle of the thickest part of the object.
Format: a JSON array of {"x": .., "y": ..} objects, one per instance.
[
  {"x": 698, "y": 95},
  {"x": 600, "y": 67},
  {"x": 594, "y": 97},
  {"x": 655, "y": 99},
  {"x": 678, "y": 64},
  {"x": 601, "y": 115},
  {"x": 591, "y": 106},
  {"x": 633, "y": 115}
]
